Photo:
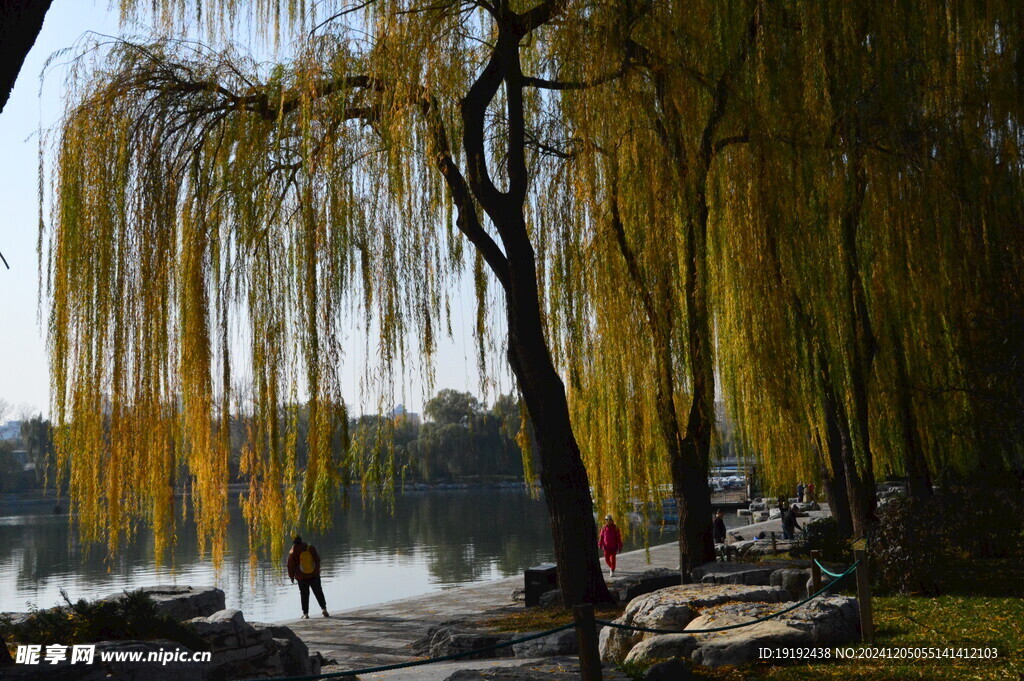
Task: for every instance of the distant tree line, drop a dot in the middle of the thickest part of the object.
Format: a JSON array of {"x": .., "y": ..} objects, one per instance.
[
  {"x": 27, "y": 462},
  {"x": 457, "y": 438}
]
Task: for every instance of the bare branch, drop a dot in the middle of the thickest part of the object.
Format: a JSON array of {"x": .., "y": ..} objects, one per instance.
[
  {"x": 347, "y": 10},
  {"x": 734, "y": 139},
  {"x": 543, "y": 83},
  {"x": 538, "y": 16},
  {"x": 468, "y": 219}
]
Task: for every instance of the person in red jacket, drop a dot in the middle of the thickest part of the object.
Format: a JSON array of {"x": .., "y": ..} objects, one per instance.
[
  {"x": 610, "y": 541},
  {"x": 304, "y": 566}
]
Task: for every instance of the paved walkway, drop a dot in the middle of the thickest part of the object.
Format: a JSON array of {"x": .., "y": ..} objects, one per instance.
[{"x": 383, "y": 633}]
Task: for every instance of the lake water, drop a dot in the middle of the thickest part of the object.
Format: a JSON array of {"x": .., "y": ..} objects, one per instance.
[{"x": 434, "y": 540}]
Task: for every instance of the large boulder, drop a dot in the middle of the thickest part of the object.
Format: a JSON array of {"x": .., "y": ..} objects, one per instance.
[
  {"x": 740, "y": 646},
  {"x": 672, "y": 609},
  {"x": 453, "y": 639},
  {"x": 252, "y": 650},
  {"x": 793, "y": 580},
  {"x": 291, "y": 650},
  {"x": 550, "y": 599},
  {"x": 182, "y": 602},
  {"x": 421, "y": 646},
  {"x": 662, "y": 647},
  {"x": 721, "y": 573},
  {"x": 561, "y": 643},
  {"x": 754, "y": 576},
  {"x": 825, "y": 621},
  {"x": 627, "y": 588}
]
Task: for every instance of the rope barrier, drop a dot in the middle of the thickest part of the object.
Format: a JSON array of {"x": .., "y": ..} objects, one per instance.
[
  {"x": 648, "y": 630},
  {"x": 418, "y": 663},
  {"x": 826, "y": 570}
]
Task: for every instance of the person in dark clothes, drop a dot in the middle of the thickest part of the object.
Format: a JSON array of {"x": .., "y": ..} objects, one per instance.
[
  {"x": 719, "y": 527},
  {"x": 800, "y": 492},
  {"x": 789, "y": 523},
  {"x": 304, "y": 567}
]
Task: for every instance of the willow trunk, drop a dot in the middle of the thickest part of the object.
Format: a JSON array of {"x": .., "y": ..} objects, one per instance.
[
  {"x": 562, "y": 473},
  {"x": 919, "y": 482}
]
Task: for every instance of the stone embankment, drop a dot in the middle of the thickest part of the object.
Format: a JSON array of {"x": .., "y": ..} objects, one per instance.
[{"x": 239, "y": 649}]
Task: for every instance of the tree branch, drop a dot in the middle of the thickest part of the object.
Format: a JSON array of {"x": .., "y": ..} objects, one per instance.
[
  {"x": 468, "y": 219},
  {"x": 537, "y": 16},
  {"x": 543, "y": 83},
  {"x": 734, "y": 139},
  {"x": 259, "y": 103},
  {"x": 474, "y": 112},
  {"x": 344, "y": 12}
]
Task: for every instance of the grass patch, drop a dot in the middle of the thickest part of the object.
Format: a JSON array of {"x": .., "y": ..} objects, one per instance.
[{"x": 540, "y": 619}]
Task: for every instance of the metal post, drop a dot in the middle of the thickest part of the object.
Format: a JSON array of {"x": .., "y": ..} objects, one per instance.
[
  {"x": 815, "y": 572},
  {"x": 867, "y": 625},
  {"x": 774, "y": 548},
  {"x": 586, "y": 636}
]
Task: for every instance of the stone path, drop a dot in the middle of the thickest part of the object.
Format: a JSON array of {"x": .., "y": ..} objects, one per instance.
[{"x": 383, "y": 633}]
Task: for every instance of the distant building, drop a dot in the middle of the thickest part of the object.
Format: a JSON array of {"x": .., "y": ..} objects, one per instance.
[
  {"x": 10, "y": 431},
  {"x": 409, "y": 416}
]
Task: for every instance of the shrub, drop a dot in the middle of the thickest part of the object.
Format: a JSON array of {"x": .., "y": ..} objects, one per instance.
[
  {"x": 982, "y": 522},
  {"x": 927, "y": 546},
  {"x": 823, "y": 535},
  {"x": 908, "y": 554}
]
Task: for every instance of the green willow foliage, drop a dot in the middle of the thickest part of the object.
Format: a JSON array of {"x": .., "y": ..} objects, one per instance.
[
  {"x": 835, "y": 185},
  {"x": 202, "y": 199},
  {"x": 864, "y": 224}
]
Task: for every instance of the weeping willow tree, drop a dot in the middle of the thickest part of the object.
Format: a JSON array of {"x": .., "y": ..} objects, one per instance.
[
  {"x": 857, "y": 172},
  {"x": 202, "y": 196},
  {"x": 644, "y": 144},
  {"x": 865, "y": 238}
]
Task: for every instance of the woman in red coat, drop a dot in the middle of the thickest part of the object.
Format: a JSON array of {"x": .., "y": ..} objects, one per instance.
[{"x": 610, "y": 541}]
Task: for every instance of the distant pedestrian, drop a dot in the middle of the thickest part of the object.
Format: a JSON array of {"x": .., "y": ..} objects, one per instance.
[
  {"x": 719, "y": 527},
  {"x": 789, "y": 523},
  {"x": 800, "y": 492},
  {"x": 304, "y": 566},
  {"x": 610, "y": 541},
  {"x": 809, "y": 492}
]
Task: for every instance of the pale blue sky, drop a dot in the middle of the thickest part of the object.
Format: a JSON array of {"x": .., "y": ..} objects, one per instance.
[{"x": 24, "y": 376}]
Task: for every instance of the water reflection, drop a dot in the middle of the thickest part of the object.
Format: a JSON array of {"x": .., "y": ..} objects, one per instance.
[{"x": 434, "y": 540}]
